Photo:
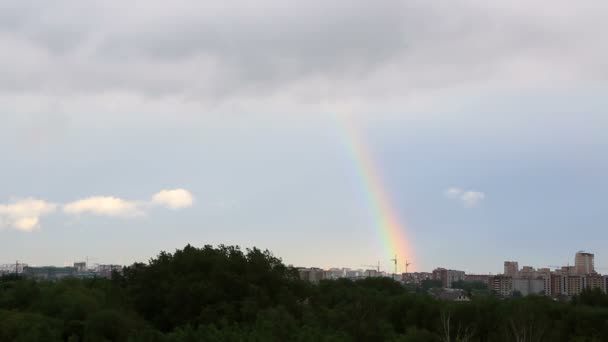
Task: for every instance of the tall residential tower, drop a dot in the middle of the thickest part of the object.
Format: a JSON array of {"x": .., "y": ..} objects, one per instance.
[
  {"x": 511, "y": 268},
  {"x": 583, "y": 263}
]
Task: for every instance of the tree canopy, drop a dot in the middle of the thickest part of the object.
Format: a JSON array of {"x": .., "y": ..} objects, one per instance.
[{"x": 226, "y": 294}]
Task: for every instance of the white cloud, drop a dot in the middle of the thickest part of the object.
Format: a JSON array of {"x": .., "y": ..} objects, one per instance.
[
  {"x": 25, "y": 214},
  {"x": 469, "y": 198},
  {"x": 114, "y": 206},
  {"x": 472, "y": 198},
  {"x": 453, "y": 192},
  {"x": 104, "y": 206},
  {"x": 174, "y": 199}
]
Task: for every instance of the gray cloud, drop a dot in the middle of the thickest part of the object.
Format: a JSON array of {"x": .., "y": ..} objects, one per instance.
[{"x": 277, "y": 54}]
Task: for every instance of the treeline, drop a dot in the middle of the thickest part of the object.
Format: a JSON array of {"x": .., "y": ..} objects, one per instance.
[{"x": 226, "y": 294}]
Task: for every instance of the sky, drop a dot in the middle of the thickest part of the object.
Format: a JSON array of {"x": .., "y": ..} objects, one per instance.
[{"x": 131, "y": 128}]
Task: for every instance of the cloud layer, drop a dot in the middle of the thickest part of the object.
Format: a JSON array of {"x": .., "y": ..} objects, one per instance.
[
  {"x": 192, "y": 53},
  {"x": 25, "y": 214},
  {"x": 469, "y": 198}
]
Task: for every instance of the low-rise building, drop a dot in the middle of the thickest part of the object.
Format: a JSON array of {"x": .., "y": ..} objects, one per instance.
[
  {"x": 335, "y": 273},
  {"x": 354, "y": 274},
  {"x": 105, "y": 271},
  {"x": 416, "y": 277},
  {"x": 49, "y": 272},
  {"x": 452, "y": 295},
  {"x": 313, "y": 274},
  {"x": 371, "y": 273},
  {"x": 80, "y": 267},
  {"x": 16, "y": 268}
]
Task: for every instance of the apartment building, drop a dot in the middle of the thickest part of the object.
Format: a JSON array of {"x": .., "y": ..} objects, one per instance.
[{"x": 447, "y": 277}]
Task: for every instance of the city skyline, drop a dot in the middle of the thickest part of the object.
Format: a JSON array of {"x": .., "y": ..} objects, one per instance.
[
  {"x": 343, "y": 133},
  {"x": 448, "y": 284},
  {"x": 583, "y": 264}
]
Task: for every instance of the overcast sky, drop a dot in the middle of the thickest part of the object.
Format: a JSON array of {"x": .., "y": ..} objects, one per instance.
[{"x": 127, "y": 129}]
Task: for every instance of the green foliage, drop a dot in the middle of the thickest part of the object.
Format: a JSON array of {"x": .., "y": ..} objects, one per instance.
[
  {"x": 472, "y": 287},
  {"x": 428, "y": 284},
  {"x": 592, "y": 297},
  {"x": 26, "y": 327},
  {"x": 209, "y": 286},
  {"x": 225, "y": 294}
]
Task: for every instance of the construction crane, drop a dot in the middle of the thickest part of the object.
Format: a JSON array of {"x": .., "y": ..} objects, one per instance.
[
  {"x": 395, "y": 261},
  {"x": 406, "y": 265}
]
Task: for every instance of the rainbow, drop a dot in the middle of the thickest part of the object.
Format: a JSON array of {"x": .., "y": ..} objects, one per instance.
[{"x": 385, "y": 217}]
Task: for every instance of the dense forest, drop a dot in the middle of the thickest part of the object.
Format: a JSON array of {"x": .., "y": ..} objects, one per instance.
[{"x": 226, "y": 294}]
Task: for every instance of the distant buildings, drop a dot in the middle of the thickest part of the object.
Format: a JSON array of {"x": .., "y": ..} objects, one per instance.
[
  {"x": 574, "y": 284},
  {"x": 336, "y": 273},
  {"x": 526, "y": 272},
  {"x": 596, "y": 281},
  {"x": 528, "y": 286},
  {"x": 354, "y": 274},
  {"x": 557, "y": 285},
  {"x": 105, "y": 271},
  {"x": 506, "y": 286},
  {"x": 312, "y": 274},
  {"x": 16, "y": 268},
  {"x": 565, "y": 281},
  {"x": 80, "y": 267},
  {"x": 416, "y": 277},
  {"x": 49, "y": 272},
  {"x": 79, "y": 270},
  {"x": 501, "y": 285},
  {"x": 447, "y": 277},
  {"x": 478, "y": 278}
]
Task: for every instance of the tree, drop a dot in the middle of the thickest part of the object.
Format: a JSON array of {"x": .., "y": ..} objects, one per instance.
[
  {"x": 225, "y": 294},
  {"x": 428, "y": 284}
]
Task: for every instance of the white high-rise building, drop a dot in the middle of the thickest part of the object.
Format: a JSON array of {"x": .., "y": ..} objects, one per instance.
[{"x": 583, "y": 263}]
